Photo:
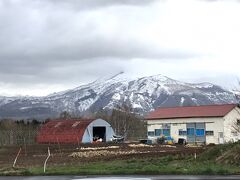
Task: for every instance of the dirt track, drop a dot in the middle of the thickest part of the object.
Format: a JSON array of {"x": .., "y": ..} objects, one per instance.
[{"x": 34, "y": 155}]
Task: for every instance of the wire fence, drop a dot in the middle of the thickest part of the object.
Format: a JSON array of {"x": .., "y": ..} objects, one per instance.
[{"x": 18, "y": 137}]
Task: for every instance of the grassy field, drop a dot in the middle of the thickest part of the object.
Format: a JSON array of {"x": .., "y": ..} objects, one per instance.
[
  {"x": 166, "y": 165},
  {"x": 221, "y": 159}
]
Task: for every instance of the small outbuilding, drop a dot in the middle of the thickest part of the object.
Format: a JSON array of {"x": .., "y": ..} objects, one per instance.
[
  {"x": 196, "y": 124},
  {"x": 75, "y": 131}
]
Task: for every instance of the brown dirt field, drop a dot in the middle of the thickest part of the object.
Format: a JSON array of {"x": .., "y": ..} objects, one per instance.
[{"x": 69, "y": 154}]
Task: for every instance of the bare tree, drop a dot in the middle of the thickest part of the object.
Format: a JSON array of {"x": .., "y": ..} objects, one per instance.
[
  {"x": 124, "y": 121},
  {"x": 127, "y": 123},
  {"x": 236, "y": 91},
  {"x": 236, "y": 126},
  {"x": 236, "y": 123},
  {"x": 65, "y": 115},
  {"x": 103, "y": 114}
]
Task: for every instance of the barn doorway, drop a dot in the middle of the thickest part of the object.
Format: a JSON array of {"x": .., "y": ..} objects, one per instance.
[{"x": 99, "y": 133}]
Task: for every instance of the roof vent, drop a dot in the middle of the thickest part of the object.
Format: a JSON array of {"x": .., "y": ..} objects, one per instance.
[
  {"x": 58, "y": 124},
  {"x": 76, "y": 123}
]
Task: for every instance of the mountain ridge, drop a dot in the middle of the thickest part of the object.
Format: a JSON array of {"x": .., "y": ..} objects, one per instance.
[{"x": 144, "y": 94}]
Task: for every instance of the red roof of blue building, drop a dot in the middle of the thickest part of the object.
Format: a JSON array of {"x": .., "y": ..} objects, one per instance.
[{"x": 191, "y": 111}]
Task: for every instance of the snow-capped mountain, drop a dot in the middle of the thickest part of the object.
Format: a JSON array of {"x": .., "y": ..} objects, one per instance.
[{"x": 143, "y": 94}]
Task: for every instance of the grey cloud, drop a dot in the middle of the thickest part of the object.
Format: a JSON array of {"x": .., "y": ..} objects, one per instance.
[
  {"x": 44, "y": 42},
  {"x": 93, "y": 4},
  {"x": 38, "y": 38},
  {"x": 91, "y": 48},
  {"x": 67, "y": 73}
]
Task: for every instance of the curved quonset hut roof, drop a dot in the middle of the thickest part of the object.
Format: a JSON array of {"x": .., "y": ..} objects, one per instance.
[{"x": 70, "y": 130}]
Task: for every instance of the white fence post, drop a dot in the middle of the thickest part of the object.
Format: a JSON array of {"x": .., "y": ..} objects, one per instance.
[
  {"x": 45, "y": 163},
  {"x": 16, "y": 157}
]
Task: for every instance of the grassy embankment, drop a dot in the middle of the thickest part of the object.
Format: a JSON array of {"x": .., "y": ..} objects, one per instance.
[{"x": 221, "y": 159}]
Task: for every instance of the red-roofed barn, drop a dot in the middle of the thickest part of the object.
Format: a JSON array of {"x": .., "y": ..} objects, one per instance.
[
  {"x": 75, "y": 131},
  {"x": 195, "y": 124}
]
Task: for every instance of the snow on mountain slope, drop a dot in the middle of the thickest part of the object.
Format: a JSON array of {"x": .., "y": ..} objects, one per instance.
[
  {"x": 5, "y": 100},
  {"x": 143, "y": 94}
]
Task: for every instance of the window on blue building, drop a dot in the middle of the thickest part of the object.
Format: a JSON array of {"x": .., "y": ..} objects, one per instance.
[
  {"x": 199, "y": 132},
  {"x": 150, "y": 133},
  {"x": 209, "y": 133},
  {"x": 190, "y": 131},
  {"x": 182, "y": 133},
  {"x": 166, "y": 132},
  {"x": 158, "y": 132}
]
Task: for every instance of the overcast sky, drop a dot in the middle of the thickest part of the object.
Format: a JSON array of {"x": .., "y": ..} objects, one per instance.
[{"x": 52, "y": 45}]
